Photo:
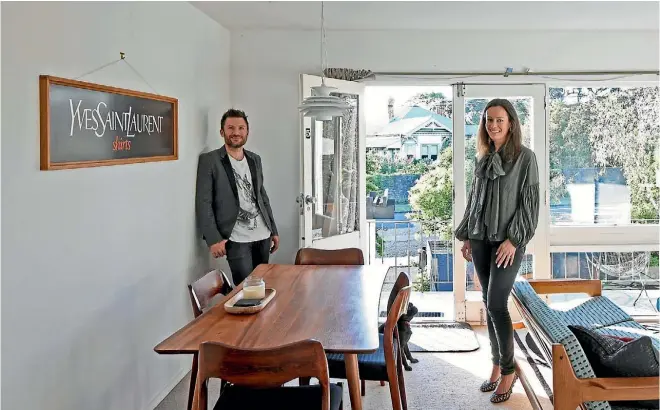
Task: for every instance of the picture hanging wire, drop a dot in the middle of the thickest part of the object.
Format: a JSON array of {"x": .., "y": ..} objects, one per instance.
[{"x": 122, "y": 57}]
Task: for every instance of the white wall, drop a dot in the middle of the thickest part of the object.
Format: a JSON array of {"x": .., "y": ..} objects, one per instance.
[
  {"x": 265, "y": 68},
  {"x": 95, "y": 261}
]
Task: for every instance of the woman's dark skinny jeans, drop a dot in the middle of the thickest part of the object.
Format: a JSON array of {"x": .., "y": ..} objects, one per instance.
[{"x": 496, "y": 284}]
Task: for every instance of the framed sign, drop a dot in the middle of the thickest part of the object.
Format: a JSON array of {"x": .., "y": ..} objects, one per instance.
[{"x": 88, "y": 125}]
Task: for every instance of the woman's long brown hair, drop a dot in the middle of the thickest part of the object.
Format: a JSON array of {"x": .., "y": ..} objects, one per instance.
[{"x": 511, "y": 147}]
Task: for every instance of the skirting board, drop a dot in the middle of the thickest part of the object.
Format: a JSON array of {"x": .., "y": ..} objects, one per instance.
[{"x": 170, "y": 386}]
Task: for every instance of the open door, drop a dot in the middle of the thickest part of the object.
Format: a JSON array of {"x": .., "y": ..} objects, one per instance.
[{"x": 332, "y": 200}]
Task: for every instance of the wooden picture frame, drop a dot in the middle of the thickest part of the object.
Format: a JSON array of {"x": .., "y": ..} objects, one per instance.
[{"x": 84, "y": 124}]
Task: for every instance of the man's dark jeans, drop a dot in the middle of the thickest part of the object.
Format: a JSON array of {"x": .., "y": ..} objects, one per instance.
[
  {"x": 496, "y": 285},
  {"x": 243, "y": 257}
]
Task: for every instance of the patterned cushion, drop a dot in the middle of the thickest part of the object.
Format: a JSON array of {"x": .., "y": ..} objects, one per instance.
[
  {"x": 596, "y": 312},
  {"x": 279, "y": 398},
  {"x": 371, "y": 366},
  {"x": 552, "y": 323}
]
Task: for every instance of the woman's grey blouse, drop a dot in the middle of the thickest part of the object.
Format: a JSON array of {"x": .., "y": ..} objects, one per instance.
[{"x": 504, "y": 200}]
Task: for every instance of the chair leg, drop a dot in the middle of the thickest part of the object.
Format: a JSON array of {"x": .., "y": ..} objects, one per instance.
[
  {"x": 402, "y": 384},
  {"x": 193, "y": 378},
  {"x": 363, "y": 387},
  {"x": 304, "y": 381},
  {"x": 382, "y": 382},
  {"x": 393, "y": 378}
]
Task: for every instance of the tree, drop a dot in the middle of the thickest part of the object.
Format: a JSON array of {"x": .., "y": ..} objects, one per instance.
[
  {"x": 431, "y": 198},
  {"x": 433, "y": 101},
  {"x": 607, "y": 128},
  {"x": 474, "y": 109}
]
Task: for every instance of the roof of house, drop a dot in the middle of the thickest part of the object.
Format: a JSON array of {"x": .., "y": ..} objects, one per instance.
[
  {"x": 416, "y": 111},
  {"x": 404, "y": 126},
  {"x": 417, "y": 117}
]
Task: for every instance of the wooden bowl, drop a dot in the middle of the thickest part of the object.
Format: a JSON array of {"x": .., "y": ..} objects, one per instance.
[{"x": 248, "y": 310}]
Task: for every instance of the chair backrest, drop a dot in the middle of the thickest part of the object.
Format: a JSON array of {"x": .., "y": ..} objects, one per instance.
[
  {"x": 262, "y": 367},
  {"x": 205, "y": 288},
  {"x": 347, "y": 256},
  {"x": 398, "y": 308},
  {"x": 401, "y": 282}
]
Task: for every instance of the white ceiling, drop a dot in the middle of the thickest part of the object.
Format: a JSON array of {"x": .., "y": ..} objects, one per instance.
[{"x": 433, "y": 15}]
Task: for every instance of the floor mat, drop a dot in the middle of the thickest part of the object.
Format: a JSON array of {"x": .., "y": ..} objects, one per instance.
[{"x": 443, "y": 337}]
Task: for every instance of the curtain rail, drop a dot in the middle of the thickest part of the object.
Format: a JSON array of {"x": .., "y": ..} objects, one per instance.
[{"x": 526, "y": 73}]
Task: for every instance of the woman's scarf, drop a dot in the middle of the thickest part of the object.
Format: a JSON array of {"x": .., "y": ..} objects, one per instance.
[{"x": 489, "y": 169}]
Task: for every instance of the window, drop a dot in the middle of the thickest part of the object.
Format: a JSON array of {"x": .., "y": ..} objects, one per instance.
[
  {"x": 429, "y": 151},
  {"x": 604, "y": 156},
  {"x": 409, "y": 149}
]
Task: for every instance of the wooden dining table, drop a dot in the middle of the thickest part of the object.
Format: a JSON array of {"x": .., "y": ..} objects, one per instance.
[{"x": 337, "y": 305}]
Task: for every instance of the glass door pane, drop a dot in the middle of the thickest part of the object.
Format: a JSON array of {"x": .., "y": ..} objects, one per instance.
[
  {"x": 336, "y": 183},
  {"x": 332, "y": 199},
  {"x": 469, "y": 104},
  {"x": 474, "y": 109}
]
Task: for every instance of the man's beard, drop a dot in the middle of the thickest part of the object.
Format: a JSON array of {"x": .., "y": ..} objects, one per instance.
[{"x": 233, "y": 144}]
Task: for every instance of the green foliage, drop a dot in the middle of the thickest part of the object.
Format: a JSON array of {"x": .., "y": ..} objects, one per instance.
[
  {"x": 608, "y": 128},
  {"x": 474, "y": 109},
  {"x": 380, "y": 245},
  {"x": 377, "y": 166},
  {"x": 423, "y": 282},
  {"x": 431, "y": 198}
]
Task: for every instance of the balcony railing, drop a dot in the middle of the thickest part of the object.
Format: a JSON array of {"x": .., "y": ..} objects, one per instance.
[{"x": 424, "y": 250}]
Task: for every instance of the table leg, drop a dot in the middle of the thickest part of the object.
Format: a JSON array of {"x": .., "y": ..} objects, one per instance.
[
  {"x": 353, "y": 378},
  {"x": 193, "y": 379}
]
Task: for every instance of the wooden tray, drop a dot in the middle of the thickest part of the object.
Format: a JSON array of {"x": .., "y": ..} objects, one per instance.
[{"x": 248, "y": 310}]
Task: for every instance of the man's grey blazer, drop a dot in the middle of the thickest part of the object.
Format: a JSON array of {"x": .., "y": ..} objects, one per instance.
[{"x": 216, "y": 199}]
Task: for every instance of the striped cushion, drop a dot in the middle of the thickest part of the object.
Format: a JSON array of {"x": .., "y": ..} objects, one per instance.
[
  {"x": 595, "y": 312},
  {"x": 552, "y": 323}
]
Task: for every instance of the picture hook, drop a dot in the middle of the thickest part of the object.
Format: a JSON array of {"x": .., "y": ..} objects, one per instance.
[{"x": 122, "y": 55}]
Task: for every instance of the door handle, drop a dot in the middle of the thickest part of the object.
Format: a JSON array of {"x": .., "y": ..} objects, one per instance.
[{"x": 306, "y": 199}]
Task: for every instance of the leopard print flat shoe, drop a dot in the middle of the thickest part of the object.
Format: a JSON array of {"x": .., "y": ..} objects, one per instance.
[
  {"x": 500, "y": 398},
  {"x": 488, "y": 385}
]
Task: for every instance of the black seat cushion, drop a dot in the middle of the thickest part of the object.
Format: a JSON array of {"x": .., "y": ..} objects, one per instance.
[
  {"x": 279, "y": 398},
  {"x": 371, "y": 366}
]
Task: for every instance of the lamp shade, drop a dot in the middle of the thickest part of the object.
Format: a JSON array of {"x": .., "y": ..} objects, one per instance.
[{"x": 321, "y": 105}]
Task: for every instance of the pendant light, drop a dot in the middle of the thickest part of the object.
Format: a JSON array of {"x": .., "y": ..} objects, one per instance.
[{"x": 321, "y": 105}]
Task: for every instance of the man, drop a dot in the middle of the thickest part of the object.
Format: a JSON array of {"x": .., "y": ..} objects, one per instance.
[{"x": 233, "y": 209}]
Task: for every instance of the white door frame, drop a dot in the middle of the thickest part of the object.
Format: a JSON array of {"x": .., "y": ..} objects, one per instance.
[
  {"x": 469, "y": 307},
  {"x": 355, "y": 239}
]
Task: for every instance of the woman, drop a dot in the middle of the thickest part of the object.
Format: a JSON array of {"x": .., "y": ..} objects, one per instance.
[{"x": 500, "y": 219}]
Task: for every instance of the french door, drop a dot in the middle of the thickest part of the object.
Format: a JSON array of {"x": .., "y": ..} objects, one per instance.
[
  {"x": 332, "y": 200},
  {"x": 468, "y": 104}
]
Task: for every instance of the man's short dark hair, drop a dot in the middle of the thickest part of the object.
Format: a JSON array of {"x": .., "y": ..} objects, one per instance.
[{"x": 232, "y": 113}]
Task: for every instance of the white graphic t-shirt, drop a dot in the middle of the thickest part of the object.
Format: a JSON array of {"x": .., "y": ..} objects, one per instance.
[{"x": 250, "y": 225}]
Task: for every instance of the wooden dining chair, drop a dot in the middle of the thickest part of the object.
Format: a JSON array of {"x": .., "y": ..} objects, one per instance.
[
  {"x": 201, "y": 292},
  {"x": 255, "y": 377},
  {"x": 204, "y": 289},
  {"x": 385, "y": 363},
  {"x": 346, "y": 256}
]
